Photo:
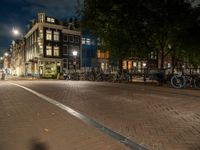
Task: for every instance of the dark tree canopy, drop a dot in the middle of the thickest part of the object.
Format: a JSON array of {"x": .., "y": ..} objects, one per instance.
[{"x": 137, "y": 27}]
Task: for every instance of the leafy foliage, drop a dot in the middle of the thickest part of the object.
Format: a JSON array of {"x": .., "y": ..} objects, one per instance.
[{"x": 137, "y": 27}]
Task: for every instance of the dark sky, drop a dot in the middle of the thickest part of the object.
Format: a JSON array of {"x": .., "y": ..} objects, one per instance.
[{"x": 18, "y": 13}]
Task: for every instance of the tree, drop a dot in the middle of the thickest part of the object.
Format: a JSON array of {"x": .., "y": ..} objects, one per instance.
[{"x": 138, "y": 27}]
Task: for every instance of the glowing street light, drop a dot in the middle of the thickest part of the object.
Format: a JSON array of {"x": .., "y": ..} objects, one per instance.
[
  {"x": 75, "y": 54},
  {"x": 6, "y": 54},
  {"x": 15, "y": 31},
  {"x": 1, "y": 58}
]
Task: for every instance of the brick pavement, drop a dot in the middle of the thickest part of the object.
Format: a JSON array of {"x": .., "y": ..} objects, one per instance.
[
  {"x": 29, "y": 123},
  {"x": 158, "y": 118}
]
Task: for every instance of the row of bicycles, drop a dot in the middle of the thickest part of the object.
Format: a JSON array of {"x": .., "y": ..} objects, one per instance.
[
  {"x": 98, "y": 76},
  {"x": 183, "y": 81},
  {"x": 178, "y": 80}
]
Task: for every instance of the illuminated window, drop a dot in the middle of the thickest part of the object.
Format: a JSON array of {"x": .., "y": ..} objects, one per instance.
[
  {"x": 52, "y": 20},
  {"x": 102, "y": 55},
  {"x": 88, "y": 41},
  {"x": 134, "y": 64},
  {"x": 56, "y": 35},
  {"x": 48, "y": 50},
  {"x": 124, "y": 65},
  {"x": 56, "y": 51},
  {"x": 129, "y": 64},
  {"x": 102, "y": 66},
  {"x": 49, "y": 35},
  {"x": 83, "y": 41},
  {"x": 48, "y": 19},
  {"x": 107, "y": 54},
  {"x": 98, "y": 54},
  {"x": 41, "y": 33}
]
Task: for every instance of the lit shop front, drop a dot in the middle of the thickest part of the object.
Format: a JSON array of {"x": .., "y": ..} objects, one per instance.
[{"x": 50, "y": 68}]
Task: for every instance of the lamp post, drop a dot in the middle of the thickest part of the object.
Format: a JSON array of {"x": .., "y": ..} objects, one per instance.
[{"x": 74, "y": 54}]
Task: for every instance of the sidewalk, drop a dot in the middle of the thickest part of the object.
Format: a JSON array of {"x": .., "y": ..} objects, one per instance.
[{"x": 30, "y": 123}]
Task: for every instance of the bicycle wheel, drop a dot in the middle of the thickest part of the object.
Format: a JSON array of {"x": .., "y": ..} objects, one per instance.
[
  {"x": 178, "y": 81},
  {"x": 197, "y": 83}
]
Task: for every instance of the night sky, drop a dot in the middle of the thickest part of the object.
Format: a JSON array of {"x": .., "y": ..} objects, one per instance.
[{"x": 18, "y": 13}]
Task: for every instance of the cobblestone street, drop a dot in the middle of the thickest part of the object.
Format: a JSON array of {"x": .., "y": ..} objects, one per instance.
[
  {"x": 29, "y": 123},
  {"x": 157, "y": 118}
]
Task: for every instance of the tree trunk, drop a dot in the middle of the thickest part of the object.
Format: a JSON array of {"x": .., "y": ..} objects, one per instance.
[
  {"x": 120, "y": 66},
  {"x": 162, "y": 61}
]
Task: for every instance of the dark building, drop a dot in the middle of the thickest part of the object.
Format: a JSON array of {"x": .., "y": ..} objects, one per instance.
[{"x": 89, "y": 50}]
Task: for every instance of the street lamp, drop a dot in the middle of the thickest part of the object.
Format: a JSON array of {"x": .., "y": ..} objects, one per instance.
[
  {"x": 6, "y": 54},
  {"x": 75, "y": 54},
  {"x": 15, "y": 31}
]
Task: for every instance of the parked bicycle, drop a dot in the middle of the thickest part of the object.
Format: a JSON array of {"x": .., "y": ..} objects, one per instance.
[{"x": 183, "y": 81}]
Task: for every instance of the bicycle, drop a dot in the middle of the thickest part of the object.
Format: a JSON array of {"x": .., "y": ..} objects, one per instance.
[
  {"x": 192, "y": 81},
  {"x": 178, "y": 80}
]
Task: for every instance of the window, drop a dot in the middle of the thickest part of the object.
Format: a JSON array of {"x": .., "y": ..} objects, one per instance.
[
  {"x": 65, "y": 50},
  {"x": 71, "y": 38},
  {"x": 129, "y": 64},
  {"x": 88, "y": 41},
  {"x": 70, "y": 49},
  {"x": 76, "y": 39},
  {"x": 56, "y": 51},
  {"x": 49, "y": 35},
  {"x": 124, "y": 65},
  {"x": 48, "y": 50},
  {"x": 52, "y": 20},
  {"x": 41, "y": 18},
  {"x": 65, "y": 38},
  {"x": 83, "y": 41},
  {"x": 107, "y": 54},
  {"x": 56, "y": 36},
  {"x": 41, "y": 33},
  {"x": 48, "y": 19},
  {"x": 98, "y": 54}
]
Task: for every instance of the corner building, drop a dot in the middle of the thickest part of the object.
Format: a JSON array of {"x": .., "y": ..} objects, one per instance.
[{"x": 49, "y": 47}]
